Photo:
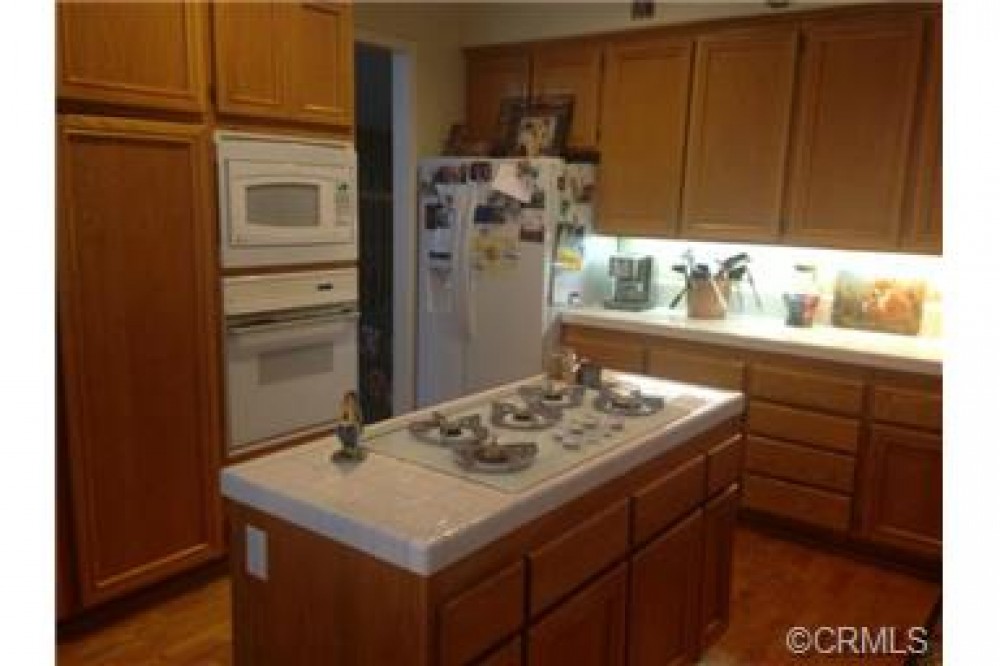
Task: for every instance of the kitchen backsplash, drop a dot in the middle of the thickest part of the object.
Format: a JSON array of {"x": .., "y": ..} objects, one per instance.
[{"x": 772, "y": 268}]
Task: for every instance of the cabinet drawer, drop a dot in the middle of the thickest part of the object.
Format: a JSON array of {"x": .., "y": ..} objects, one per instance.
[
  {"x": 807, "y": 505},
  {"x": 724, "y": 462},
  {"x": 799, "y": 463},
  {"x": 906, "y": 407},
  {"x": 608, "y": 349},
  {"x": 806, "y": 389},
  {"x": 568, "y": 561},
  {"x": 666, "y": 499},
  {"x": 695, "y": 368},
  {"x": 831, "y": 432},
  {"x": 481, "y": 617}
]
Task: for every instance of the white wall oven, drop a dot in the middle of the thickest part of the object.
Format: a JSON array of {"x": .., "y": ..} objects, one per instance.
[
  {"x": 286, "y": 201},
  {"x": 291, "y": 353}
]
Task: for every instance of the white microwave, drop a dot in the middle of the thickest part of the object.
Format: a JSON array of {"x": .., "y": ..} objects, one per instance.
[{"x": 286, "y": 201}]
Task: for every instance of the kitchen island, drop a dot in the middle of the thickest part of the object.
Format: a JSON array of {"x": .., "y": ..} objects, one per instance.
[{"x": 619, "y": 548}]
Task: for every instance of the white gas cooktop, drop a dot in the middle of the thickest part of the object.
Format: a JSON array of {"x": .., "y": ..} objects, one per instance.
[{"x": 565, "y": 431}]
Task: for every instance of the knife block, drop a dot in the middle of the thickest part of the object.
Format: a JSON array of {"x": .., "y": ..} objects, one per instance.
[{"x": 708, "y": 298}]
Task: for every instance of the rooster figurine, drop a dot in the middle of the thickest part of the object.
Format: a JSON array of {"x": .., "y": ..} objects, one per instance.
[{"x": 348, "y": 429}]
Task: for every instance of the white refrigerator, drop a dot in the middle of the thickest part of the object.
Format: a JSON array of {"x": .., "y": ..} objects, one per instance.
[{"x": 489, "y": 230}]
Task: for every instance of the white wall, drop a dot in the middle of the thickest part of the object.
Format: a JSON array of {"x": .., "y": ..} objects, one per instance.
[{"x": 490, "y": 23}]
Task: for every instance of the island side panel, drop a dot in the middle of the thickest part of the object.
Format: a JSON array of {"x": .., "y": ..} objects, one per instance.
[{"x": 322, "y": 602}]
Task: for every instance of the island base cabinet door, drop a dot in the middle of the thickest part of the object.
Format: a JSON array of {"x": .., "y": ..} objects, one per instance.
[
  {"x": 666, "y": 589},
  {"x": 588, "y": 629},
  {"x": 508, "y": 654},
  {"x": 138, "y": 340},
  {"x": 902, "y": 494},
  {"x": 717, "y": 566}
]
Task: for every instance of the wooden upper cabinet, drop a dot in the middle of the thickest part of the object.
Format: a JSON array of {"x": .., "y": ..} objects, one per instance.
[
  {"x": 924, "y": 231},
  {"x": 643, "y": 125},
  {"x": 571, "y": 68},
  {"x": 285, "y": 60},
  {"x": 322, "y": 62},
  {"x": 491, "y": 75},
  {"x": 741, "y": 105},
  {"x": 139, "y": 349},
  {"x": 249, "y": 57},
  {"x": 850, "y": 153},
  {"x": 145, "y": 54}
]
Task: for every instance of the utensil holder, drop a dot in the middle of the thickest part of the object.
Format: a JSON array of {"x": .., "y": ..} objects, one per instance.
[{"x": 707, "y": 298}]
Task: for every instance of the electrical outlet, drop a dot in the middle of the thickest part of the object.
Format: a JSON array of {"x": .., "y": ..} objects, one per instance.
[{"x": 256, "y": 555}]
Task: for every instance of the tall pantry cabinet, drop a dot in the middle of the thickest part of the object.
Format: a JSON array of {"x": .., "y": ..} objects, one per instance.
[{"x": 138, "y": 316}]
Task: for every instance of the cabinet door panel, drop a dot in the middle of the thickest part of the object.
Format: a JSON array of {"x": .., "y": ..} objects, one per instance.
[
  {"x": 857, "y": 94},
  {"x": 741, "y": 104},
  {"x": 717, "y": 566},
  {"x": 925, "y": 232},
  {"x": 507, "y": 655},
  {"x": 574, "y": 69},
  {"x": 588, "y": 630},
  {"x": 666, "y": 586},
  {"x": 139, "y": 54},
  {"x": 321, "y": 62},
  {"x": 643, "y": 124},
  {"x": 138, "y": 331},
  {"x": 902, "y": 495},
  {"x": 490, "y": 77},
  {"x": 250, "y": 56}
]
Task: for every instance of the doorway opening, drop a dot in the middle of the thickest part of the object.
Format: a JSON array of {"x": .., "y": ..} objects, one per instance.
[{"x": 374, "y": 143}]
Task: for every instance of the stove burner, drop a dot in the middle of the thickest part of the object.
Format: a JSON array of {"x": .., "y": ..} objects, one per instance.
[
  {"x": 442, "y": 431},
  {"x": 496, "y": 458},
  {"x": 626, "y": 401},
  {"x": 554, "y": 394},
  {"x": 533, "y": 416}
]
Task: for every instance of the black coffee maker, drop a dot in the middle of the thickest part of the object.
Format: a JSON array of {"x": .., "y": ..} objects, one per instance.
[{"x": 632, "y": 278}]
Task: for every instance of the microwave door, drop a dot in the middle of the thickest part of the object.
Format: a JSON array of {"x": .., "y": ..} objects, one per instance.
[{"x": 287, "y": 204}]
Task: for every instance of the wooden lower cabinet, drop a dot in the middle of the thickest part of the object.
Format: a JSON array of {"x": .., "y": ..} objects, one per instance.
[
  {"x": 509, "y": 654},
  {"x": 507, "y": 603},
  {"x": 717, "y": 565},
  {"x": 902, "y": 493},
  {"x": 606, "y": 348},
  {"x": 587, "y": 630},
  {"x": 138, "y": 331},
  {"x": 666, "y": 587},
  {"x": 834, "y": 450}
]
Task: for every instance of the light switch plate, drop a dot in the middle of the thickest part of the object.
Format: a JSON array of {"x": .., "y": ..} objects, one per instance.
[{"x": 256, "y": 556}]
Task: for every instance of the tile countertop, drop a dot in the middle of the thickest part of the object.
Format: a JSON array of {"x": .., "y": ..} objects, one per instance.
[
  {"x": 880, "y": 350},
  {"x": 423, "y": 520}
]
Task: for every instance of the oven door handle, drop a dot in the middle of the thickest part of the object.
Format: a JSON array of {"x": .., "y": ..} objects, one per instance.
[{"x": 261, "y": 327}]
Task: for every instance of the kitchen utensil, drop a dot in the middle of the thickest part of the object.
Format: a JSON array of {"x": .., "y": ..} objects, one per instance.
[{"x": 683, "y": 270}]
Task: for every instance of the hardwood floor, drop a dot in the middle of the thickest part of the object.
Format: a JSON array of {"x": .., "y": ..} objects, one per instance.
[{"x": 777, "y": 584}]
